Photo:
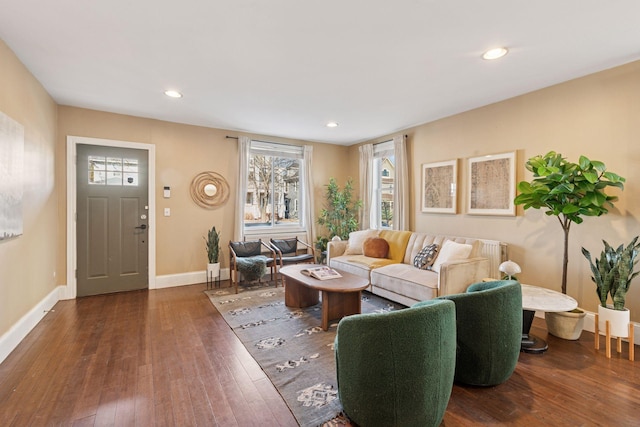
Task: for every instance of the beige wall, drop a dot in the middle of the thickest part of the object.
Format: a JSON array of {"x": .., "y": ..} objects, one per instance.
[
  {"x": 183, "y": 151},
  {"x": 597, "y": 116},
  {"x": 28, "y": 262}
]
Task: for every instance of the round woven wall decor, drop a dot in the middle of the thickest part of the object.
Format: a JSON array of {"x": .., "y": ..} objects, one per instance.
[{"x": 209, "y": 190}]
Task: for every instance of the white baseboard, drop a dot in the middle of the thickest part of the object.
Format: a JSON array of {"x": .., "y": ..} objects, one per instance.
[
  {"x": 10, "y": 339},
  {"x": 183, "y": 279}
]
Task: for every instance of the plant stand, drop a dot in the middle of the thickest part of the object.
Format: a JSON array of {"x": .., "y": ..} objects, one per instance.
[
  {"x": 608, "y": 339},
  {"x": 212, "y": 281},
  {"x": 213, "y": 275}
]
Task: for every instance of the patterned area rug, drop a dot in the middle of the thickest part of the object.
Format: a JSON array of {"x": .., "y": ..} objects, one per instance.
[{"x": 291, "y": 347}]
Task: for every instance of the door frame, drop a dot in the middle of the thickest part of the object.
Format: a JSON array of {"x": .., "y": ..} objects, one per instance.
[{"x": 72, "y": 255}]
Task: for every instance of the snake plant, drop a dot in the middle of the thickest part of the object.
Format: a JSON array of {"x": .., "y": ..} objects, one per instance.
[
  {"x": 212, "y": 243},
  {"x": 613, "y": 271}
]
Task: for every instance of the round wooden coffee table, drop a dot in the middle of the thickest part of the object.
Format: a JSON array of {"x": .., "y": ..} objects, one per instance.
[{"x": 340, "y": 297}]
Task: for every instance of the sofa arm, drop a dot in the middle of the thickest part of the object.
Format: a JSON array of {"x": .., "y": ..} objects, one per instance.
[
  {"x": 456, "y": 276},
  {"x": 335, "y": 248}
]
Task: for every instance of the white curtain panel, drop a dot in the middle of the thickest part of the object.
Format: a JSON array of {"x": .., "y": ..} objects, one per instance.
[
  {"x": 401, "y": 190},
  {"x": 244, "y": 144},
  {"x": 366, "y": 185},
  {"x": 308, "y": 208}
]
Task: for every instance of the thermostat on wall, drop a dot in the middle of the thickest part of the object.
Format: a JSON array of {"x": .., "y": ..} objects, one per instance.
[{"x": 167, "y": 192}]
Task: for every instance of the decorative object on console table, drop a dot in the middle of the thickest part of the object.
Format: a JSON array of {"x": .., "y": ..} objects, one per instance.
[
  {"x": 510, "y": 269},
  {"x": 567, "y": 191},
  {"x": 492, "y": 185},
  {"x": 612, "y": 274},
  {"x": 212, "y": 244}
]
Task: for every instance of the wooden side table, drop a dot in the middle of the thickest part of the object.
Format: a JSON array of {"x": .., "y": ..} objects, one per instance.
[{"x": 535, "y": 298}]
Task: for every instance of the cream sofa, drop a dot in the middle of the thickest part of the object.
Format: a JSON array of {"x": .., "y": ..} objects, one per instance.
[{"x": 398, "y": 280}]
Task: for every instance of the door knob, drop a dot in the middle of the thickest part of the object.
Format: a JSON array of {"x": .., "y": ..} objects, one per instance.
[{"x": 142, "y": 227}]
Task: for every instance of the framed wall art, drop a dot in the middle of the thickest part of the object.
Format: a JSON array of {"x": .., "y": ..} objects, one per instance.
[
  {"x": 11, "y": 179},
  {"x": 492, "y": 187},
  {"x": 438, "y": 190}
]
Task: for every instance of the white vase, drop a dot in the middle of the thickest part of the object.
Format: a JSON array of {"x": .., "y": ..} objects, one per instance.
[
  {"x": 618, "y": 320},
  {"x": 213, "y": 270},
  {"x": 567, "y": 325}
]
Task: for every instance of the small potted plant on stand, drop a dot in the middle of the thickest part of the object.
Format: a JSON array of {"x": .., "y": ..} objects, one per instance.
[
  {"x": 612, "y": 274},
  {"x": 212, "y": 244},
  {"x": 568, "y": 191}
]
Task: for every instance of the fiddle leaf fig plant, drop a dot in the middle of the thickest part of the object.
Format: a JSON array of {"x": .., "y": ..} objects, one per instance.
[
  {"x": 568, "y": 191},
  {"x": 613, "y": 272}
]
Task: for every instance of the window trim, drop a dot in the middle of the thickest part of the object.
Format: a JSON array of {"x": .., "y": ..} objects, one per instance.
[{"x": 275, "y": 149}]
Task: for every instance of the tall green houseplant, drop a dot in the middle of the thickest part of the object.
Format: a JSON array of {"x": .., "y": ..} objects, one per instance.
[
  {"x": 340, "y": 213},
  {"x": 567, "y": 191}
]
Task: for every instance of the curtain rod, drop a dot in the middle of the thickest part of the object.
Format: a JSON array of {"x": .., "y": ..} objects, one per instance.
[{"x": 235, "y": 137}]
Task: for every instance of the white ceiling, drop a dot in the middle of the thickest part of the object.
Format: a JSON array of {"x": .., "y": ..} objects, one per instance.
[{"x": 287, "y": 67}]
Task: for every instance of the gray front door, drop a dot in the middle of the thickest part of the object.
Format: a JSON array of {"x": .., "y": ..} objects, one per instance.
[{"x": 112, "y": 223}]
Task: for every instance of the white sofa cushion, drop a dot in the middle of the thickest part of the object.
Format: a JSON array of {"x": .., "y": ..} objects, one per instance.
[
  {"x": 343, "y": 263},
  {"x": 406, "y": 280},
  {"x": 356, "y": 240},
  {"x": 451, "y": 251}
]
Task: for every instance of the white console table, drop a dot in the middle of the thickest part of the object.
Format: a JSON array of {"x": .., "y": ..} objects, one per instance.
[{"x": 535, "y": 298}]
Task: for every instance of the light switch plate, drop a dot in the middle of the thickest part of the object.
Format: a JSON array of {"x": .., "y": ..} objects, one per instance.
[{"x": 167, "y": 211}]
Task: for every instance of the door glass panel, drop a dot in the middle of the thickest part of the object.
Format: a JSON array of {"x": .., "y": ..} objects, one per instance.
[
  {"x": 97, "y": 170},
  {"x": 113, "y": 171},
  {"x": 130, "y": 167}
]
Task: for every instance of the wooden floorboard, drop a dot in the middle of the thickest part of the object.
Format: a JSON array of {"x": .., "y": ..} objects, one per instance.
[{"x": 167, "y": 358}]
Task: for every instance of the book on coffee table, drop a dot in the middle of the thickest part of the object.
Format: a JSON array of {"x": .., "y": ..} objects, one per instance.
[{"x": 321, "y": 273}]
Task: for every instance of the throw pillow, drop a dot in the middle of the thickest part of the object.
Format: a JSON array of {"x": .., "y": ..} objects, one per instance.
[
  {"x": 375, "y": 247},
  {"x": 356, "y": 240},
  {"x": 425, "y": 258},
  {"x": 451, "y": 251}
]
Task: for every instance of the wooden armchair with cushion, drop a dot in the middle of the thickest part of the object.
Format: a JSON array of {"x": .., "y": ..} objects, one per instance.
[
  {"x": 247, "y": 258},
  {"x": 288, "y": 251}
]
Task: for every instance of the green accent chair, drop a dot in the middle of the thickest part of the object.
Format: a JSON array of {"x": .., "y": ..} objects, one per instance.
[
  {"x": 489, "y": 331},
  {"x": 397, "y": 368}
]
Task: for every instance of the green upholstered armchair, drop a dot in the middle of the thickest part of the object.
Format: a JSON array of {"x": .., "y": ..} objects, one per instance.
[
  {"x": 397, "y": 368},
  {"x": 489, "y": 331}
]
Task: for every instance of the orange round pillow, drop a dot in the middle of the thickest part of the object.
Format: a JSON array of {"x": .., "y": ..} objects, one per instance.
[{"x": 375, "y": 247}]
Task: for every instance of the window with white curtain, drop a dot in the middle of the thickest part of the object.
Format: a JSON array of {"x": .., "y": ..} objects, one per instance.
[
  {"x": 273, "y": 187},
  {"x": 383, "y": 185}
]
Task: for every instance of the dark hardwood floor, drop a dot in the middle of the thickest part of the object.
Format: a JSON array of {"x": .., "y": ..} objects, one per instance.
[{"x": 166, "y": 357}]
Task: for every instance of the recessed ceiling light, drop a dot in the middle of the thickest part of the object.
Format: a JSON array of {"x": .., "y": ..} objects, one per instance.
[
  {"x": 332, "y": 125},
  {"x": 173, "y": 93},
  {"x": 495, "y": 53}
]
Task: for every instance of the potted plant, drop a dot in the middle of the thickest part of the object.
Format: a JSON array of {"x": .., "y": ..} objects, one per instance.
[
  {"x": 612, "y": 274},
  {"x": 212, "y": 243},
  {"x": 567, "y": 191},
  {"x": 339, "y": 214}
]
